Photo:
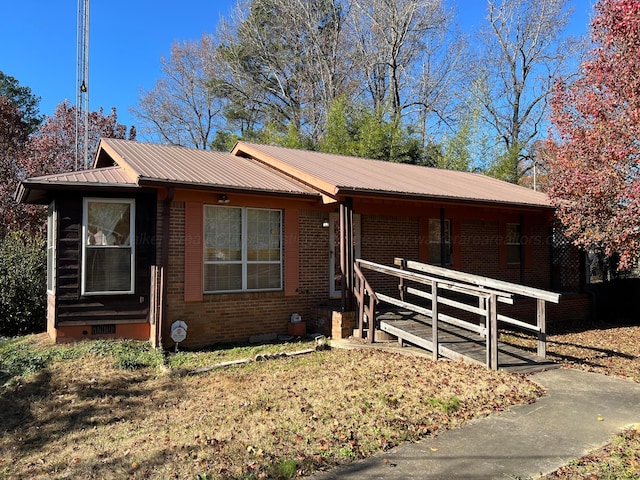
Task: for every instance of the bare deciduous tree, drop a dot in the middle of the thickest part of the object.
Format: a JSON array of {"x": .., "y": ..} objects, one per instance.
[
  {"x": 523, "y": 51},
  {"x": 182, "y": 108},
  {"x": 392, "y": 37},
  {"x": 286, "y": 61}
]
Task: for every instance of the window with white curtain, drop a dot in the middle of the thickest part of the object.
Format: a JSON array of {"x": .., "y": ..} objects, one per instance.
[
  {"x": 242, "y": 249},
  {"x": 108, "y": 246}
]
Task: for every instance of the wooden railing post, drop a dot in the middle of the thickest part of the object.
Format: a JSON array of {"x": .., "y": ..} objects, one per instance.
[
  {"x": 434, "y": 318},
  {"x": 401, "y": 287},
  {"x": 541, "y": 315},
  {"x": 361, "y": 313},
  {"x": 487, "y": 332},
  {"x": 493, "y": 332},
  {"x": 368, "y": 309},
  {"x": 372, "y": 319},
  {"x": 482, "y": 305}
]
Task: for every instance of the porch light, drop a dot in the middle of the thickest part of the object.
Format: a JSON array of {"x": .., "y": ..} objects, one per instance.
[
  {"x": 325, "y": 224},
  {"x": 223, "y": 198}
]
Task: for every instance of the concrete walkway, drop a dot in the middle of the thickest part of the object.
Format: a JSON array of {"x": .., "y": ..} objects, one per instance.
[{"x": 581, "y": 412}]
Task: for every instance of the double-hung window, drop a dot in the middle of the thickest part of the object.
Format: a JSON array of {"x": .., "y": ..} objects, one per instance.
[
  {"x": 242, "y": 249},
  {"x": 108, "y": 246}
]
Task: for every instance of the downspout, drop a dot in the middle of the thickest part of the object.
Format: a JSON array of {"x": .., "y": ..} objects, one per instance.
[{"x": 164, "y": 263}]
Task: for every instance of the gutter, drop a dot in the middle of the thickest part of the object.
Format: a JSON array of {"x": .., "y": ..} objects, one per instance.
[
  {"x": 379, "y": 194},
  {"x": 154, "y": 183}
]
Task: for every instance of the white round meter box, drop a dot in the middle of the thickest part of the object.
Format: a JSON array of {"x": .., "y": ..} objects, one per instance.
[{"x": 178, "y": 331}]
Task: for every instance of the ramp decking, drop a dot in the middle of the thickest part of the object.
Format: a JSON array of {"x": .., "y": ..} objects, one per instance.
[{"x": 456, "y": 343}]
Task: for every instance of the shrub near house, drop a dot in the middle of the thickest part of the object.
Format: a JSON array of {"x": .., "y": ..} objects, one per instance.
[{"x": 22, "y": 284}]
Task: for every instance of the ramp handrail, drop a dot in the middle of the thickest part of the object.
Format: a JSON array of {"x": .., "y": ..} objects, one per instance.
[
  {"x": 366, "y": 309},
  {"x": 487, "y": 291}
]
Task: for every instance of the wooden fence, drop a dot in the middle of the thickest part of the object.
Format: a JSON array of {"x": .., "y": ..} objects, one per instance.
[{"x": 440, "y": 289}]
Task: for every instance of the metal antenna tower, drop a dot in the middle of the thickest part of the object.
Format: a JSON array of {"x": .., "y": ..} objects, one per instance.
[{"x": 82, "y": 87}]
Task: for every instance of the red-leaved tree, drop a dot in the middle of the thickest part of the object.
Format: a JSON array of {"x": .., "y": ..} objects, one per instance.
[
  {"x": 595, "y": 175},
  {"x": 50, "y": 150},
  {"x": 13, "y": 135}
]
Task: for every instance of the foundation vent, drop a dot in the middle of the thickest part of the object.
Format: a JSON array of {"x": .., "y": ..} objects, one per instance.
[{"x": 103, "y": 329}]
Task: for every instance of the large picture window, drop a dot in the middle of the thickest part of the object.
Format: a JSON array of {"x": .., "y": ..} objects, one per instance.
[
  {"x": 108, "y": 246},
  {"x": 242, "y": 249}
]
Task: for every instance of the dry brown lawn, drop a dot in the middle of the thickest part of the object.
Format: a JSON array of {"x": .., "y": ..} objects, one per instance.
[
  {"x": 85, "y": 418},
  {"x": 606, "y": 349}
]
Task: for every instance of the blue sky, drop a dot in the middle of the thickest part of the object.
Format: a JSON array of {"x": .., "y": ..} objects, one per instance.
[{"x": 127, "y": 40}]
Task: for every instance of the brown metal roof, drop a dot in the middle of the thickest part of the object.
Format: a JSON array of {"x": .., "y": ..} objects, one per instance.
[
  {"x": 343, "y": 175},
  {"x": 268, "y": 169},
  {"x": 153, "y": 164},
  {"x": 33, "y": 189},
  {"x": 104, "y": 176}
]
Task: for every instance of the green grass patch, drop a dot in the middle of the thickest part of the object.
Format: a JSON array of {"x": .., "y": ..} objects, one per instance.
[
  {"x": 24, "y": 356},
  {"x": 447, "y": 406}
]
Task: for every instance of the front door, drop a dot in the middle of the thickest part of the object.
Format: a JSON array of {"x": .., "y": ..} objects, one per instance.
[{"x": 335, "y": 274}]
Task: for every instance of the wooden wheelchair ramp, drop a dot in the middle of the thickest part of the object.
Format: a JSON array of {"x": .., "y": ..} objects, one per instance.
[
  {"x": 452, "y": 314},
  {"x": 456, "y": 343}
]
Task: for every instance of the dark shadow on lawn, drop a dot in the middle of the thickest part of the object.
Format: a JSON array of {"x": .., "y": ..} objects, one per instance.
[
  {"x": 604, "y": 352},
  {"x": 64, "y": 409}
]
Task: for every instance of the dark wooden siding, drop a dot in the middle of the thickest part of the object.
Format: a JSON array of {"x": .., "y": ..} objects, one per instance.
[{"x": 72, "y": 307}]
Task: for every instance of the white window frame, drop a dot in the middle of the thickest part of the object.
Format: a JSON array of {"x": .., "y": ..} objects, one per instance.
[
  {"x": 132, "y": 243},
  {"x": 244, "y": 252},
  {"x": 52, "y": 237}
]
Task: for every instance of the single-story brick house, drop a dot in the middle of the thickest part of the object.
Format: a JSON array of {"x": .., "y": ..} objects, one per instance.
[{"x": 235, "y": 243}]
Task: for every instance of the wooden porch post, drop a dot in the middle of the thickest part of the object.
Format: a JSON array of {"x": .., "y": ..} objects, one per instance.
[{"x": 346, "y": 254}]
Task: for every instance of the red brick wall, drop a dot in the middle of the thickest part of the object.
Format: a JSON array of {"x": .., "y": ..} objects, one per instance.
[
  {"x": 478, "y": 247},
  {"x": 482, "y": 250},
  {"x": 383, "y": 239},
  {"x": 234, "y": 317}
]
